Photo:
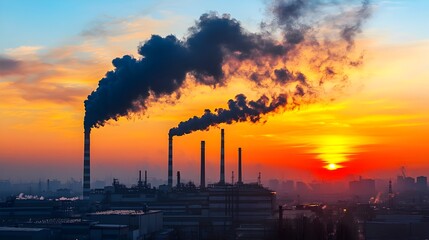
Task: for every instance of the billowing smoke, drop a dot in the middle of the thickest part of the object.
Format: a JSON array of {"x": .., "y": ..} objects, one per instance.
[
  {"x": 239, "y": 110},
  {"x": 218, "y": 49},
  {"x": 165, "y": 63}
]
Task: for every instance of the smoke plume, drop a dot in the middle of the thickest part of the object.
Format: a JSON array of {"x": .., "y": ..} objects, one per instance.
[
  {"x": 239, "y": 110},
  {"x": 218, "y": 49}
]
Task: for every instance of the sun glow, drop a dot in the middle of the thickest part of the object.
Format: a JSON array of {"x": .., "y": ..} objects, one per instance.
[
  {"x": 333, "y": 150},
  {"x": 332, "y": 166}
]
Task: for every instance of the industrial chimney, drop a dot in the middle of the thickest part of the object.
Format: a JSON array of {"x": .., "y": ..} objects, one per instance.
[
  {"x": 178, "y": 179},
  {"x": 145, "y": 178},
  {"x": 170, "y": 161},
  {"x": 240, "y": 180},
  {"x": 86, "y": 166},
  {"x": 140, "y": 183},
  {"x": 222, "y": 156},
  {"x": 203, "y": 165}
]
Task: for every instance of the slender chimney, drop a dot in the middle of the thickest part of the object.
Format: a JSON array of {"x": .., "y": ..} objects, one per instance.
[
  {"x": 222, "y": 156},
  {"x": 178, "y": 179},
  {"x": 203, "y": 165},
  {"x": 170, "y": 161},
  {"x": 145, "y": 178},
  {"x": 86, "y": 166},
  {"x": 240, "y": 180},
  {"x": 140, "y": 183}
]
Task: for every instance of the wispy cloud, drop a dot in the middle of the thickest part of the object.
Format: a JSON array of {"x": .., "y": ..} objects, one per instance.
[
  {"x": 23, "y": 52},
  {"x": 35, "y": 80}
]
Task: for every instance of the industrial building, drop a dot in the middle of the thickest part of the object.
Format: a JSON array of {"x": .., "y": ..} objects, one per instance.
[
  {"x": 137, "y": 224},
  {"x": 197, "y": 211},
  {"x": 363, "y": 188}
]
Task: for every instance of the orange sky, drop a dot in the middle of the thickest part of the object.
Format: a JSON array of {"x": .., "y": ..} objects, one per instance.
[{"x": 379, "y": 123}]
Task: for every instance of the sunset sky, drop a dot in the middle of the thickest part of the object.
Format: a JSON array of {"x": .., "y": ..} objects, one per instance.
[{"x": 53, "y": 53}]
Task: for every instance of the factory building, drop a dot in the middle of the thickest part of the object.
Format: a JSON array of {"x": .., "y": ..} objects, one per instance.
[
  {"x": 198, "y": 212},
  {"x": 138, "y": 224},
  {"x": 363, "y": 188},
  {"x": 422, "y": 184}
]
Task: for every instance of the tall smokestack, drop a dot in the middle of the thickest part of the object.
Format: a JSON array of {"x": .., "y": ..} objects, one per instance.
[
  {"x": 203, "y": 165},
  {"x": 240, "y": 180},
  {"x": 86, "y": 166},
  {"x": 170, "y": 161},
  {"x": 222, "y": 156},
  {"x": 178, "y": 179},
  {"x": 145, "y": 178},
  {"x": 140, "y": 183}
]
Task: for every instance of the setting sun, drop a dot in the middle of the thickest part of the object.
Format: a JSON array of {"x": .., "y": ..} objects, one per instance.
[
  {"x": 333, "y": 150},
  {"x": 332, "y": 166}
]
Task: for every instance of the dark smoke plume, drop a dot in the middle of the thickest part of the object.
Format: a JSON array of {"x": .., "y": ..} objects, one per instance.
[
  {"x": 239, "y": 110},
  {"x": 217, "y": 49},
  {"x": 165, "y": 62}
]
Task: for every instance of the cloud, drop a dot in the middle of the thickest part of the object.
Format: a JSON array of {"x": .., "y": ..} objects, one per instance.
[
  {"x": 52, "y": 92},
  {"x": 12, "y": 67},
  {"x": 121, "y": 30},
  {"x": 38, "y": 80},
  {"x": 103, "y": 27},
  {"x": 8, "y": 66},
  {"x": 23, "y": 52}
]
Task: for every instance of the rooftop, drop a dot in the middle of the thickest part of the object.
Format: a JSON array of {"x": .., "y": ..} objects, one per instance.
[
  {"x": 123, "y": 212},
  {"x": 17, "y": 229},
  {"x": 110, "y": 226},
  {"x": 56, "y": 221}
]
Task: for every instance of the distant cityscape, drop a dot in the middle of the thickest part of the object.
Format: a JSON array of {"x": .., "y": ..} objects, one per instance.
[
  {"x": 363, "y": 208},
  {"x": 313, "y": 191}
]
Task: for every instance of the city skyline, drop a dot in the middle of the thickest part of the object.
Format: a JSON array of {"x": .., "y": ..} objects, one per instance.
[{"x": 375, "y": 124}]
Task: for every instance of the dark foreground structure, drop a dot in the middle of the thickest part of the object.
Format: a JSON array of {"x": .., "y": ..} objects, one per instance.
[
  {"x": 180, "y": 211},
  {"x": 214, "y": 212},
  {"x": 218, "y": 211}
]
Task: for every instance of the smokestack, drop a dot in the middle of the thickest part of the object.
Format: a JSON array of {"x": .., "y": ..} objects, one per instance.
[
  {"x": 203, "y": 165},
  {"x": 140, "y": 183},
  {"x": 145, "y": 178},
  {"x": 170, "y": 161},
  {"x": 240, "y": 180},
  {"x": 178, "y": 179},
  {"x": 222, "y": 156},
  {"x": 86, "y": 166}
]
